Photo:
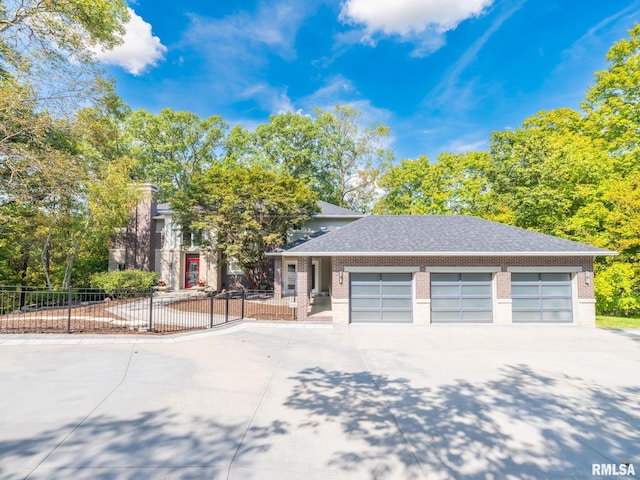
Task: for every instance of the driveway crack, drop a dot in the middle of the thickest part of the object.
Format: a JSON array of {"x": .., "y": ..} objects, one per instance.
[{"x": 100, "y": 403}]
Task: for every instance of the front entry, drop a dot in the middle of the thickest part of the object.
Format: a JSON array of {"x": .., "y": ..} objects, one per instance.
[{"x": 192, "y": 270}]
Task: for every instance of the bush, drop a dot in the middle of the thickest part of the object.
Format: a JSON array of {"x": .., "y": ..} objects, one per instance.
[{"x": 112, "y": 282}]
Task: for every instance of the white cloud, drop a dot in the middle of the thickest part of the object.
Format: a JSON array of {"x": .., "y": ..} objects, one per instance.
[
  {"x": 140, "y": 48},
  {"x": 410, "y": 17}
]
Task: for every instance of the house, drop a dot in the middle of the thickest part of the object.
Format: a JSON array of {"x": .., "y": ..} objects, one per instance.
[
  {"x": 154, "y": 241},
  {"x": 440, "y": 270}
]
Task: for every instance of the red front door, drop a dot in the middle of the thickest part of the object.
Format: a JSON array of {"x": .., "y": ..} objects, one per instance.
[{"x": 192, "y": 270}]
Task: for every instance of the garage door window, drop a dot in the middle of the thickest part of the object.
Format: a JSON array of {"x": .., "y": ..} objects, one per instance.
[
  {"x": 461, "y": 297},
  {"x": 541, "y": 297},
  {"x": 381, "y": 297}
]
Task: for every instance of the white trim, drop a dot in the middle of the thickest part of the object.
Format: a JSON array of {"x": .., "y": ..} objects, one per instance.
[
  {"x": 587, "y": 300},
  {"x": 544, "y": 269},
  {"x": 462, "y": 269},
  {"x": 445, "y": 254},
  {"x": 316, "y": 276},
  {"x": 381, "y": 269}
]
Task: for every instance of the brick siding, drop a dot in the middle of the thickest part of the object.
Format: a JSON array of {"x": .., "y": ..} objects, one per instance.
[{"x": 423, "y": 280}]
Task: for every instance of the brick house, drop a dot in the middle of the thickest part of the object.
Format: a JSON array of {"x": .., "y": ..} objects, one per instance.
[
  {"x": 154, "y": 240},
  {"x": 441, "y": 270}
]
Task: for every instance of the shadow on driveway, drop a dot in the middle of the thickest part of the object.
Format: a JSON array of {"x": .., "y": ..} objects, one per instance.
[{"x": 522, "y": 424}]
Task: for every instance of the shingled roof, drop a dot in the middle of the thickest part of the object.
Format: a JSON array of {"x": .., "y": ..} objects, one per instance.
[
  {"x": 439, "y": 235},
  {"x": 330, "y": 210}
]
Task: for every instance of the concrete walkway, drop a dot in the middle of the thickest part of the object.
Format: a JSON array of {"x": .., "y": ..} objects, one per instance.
[{"x": 308, "y": 401}]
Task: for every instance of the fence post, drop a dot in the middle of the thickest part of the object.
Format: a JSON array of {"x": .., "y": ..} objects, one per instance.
[
  {"x": 242, "y": 305},
  {"x": 151, "y": 309},
  {"x": 211, "y": 305},
  {"x": 69, "y": 300},
  {"x": 226, "y": 308}
]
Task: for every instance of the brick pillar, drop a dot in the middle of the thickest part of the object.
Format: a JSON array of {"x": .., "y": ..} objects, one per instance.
[
  {"x": 277, "y": 277},
  {"x": 303, "y": 286}
]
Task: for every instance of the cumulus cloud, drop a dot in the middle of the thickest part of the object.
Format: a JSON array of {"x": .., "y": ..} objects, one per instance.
[
  {"x": 405, "y": 17},
  {"x": 140, "y": 48}
]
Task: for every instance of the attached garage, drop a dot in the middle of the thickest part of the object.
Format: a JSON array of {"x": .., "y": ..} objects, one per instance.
[
  {"x": 461, "y": 298},
  {"x": 449, "y": 269},
  {"x": 381, "y": 297},
  {"x": 542, "y": 297}
]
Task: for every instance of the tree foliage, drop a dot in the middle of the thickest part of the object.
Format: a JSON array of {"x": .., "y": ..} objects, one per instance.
[
  {"x": 332, "y": 152},
  {"x": 251, "y": 211},
  {"x": 563, "y": 172},
  {"x": 456, "y": 184},
  {"x": 172, "y": 147}
]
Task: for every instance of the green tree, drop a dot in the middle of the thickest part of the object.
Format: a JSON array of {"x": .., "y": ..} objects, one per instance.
[
  {"x": 455, "y": 184},
  {"x": 545, "y": 171},
  {"x": 251, "y": 211},
  {"x": 612, "y": 104},
  {"x": 354, "y": 157},
  {"x": 172, "y": 147},
  {"x": 39, "y": 37}
]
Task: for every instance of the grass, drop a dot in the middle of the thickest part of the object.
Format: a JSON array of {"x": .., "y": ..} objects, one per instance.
[{"x": 617, "y": 322}]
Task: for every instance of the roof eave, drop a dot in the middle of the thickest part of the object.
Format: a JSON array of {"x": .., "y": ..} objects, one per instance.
[{"x": 292, "y": 253}]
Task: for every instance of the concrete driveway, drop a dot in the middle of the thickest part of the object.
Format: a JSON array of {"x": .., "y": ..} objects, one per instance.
[{"x": 292, "y": 401}]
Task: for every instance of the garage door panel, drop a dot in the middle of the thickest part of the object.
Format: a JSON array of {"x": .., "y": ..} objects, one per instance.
[
  {"x": 403, "y": 317},
  {"x": 555, "y": 290},
  {"x": 542, "y": 297},
  {"x": 483, "y": 303},
  {"x": 366, "y": 303},
  {"x": 556, "y": 303},
  {"x": 461, "y": 297},
  {"x": 484, "y": 290},
  {"x": 397, "y": 303},
  {"x": 397, "y": 290},
  {"x": 357, "y": 290},
  {"x": 557, "y": 316},
  {"x": 475, "y": 316},
  {"x": 445, "y": 303},
  {"x": 381, "y": 297}
]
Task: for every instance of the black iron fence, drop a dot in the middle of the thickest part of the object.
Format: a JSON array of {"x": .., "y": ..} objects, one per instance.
[{"x": 77, "y": 310}]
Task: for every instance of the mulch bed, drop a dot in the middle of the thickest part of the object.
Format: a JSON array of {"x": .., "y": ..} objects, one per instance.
[
  {"x": 94, "y": 318},
  {"x": 254, "y": 310}
]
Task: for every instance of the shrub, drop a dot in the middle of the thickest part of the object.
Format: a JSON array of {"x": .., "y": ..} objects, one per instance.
[{"x": 112, "y": 282}]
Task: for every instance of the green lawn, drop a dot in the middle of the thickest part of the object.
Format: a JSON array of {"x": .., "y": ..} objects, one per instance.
[{"x": 617, "y": 322}]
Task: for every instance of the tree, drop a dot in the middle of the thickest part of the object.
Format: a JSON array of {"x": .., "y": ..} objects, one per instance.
[
  {"x": 38, "y": 38},
  {"x": 455, "y": 184},
  {"x": 331, "y": 152},
  {"x": 612, "y": 104},
  {"x": 64, "y": 189},
  {"x": 172, "y": 147},
  {"x": 355, "y": 157},
  {"x": 545, "y": 171},
  {"x": 251, "y": 211}
]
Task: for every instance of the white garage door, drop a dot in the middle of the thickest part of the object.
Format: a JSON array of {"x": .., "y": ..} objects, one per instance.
[
  {"x": 542, "y": 297},
  {"x": 461, "y": 297},
  {"x": 381, "y": 297}
]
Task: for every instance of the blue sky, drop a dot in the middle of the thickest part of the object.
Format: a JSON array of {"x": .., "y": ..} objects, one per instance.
[{"x": 443, "y": 74}]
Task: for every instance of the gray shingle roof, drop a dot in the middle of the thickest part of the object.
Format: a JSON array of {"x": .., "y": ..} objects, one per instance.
[
  {"x": 438, "y": 235},
  {"x": 330, "y": 210}
]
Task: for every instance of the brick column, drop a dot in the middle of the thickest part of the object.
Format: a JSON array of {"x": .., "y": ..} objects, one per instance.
[
  {"x": 303, "y": 286},
  {"x": 277, "y": 277}
]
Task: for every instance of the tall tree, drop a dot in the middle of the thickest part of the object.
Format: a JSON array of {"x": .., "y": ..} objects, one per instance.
[
  {"x": 455, "y": 184},
  {"x": 355, "y": 157},
  {"x": 251, "y": 211},
  {"x": 39, "y": 37},
  {"x": 172, "y": 147},
  {"x": 612, "y": 104}
]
